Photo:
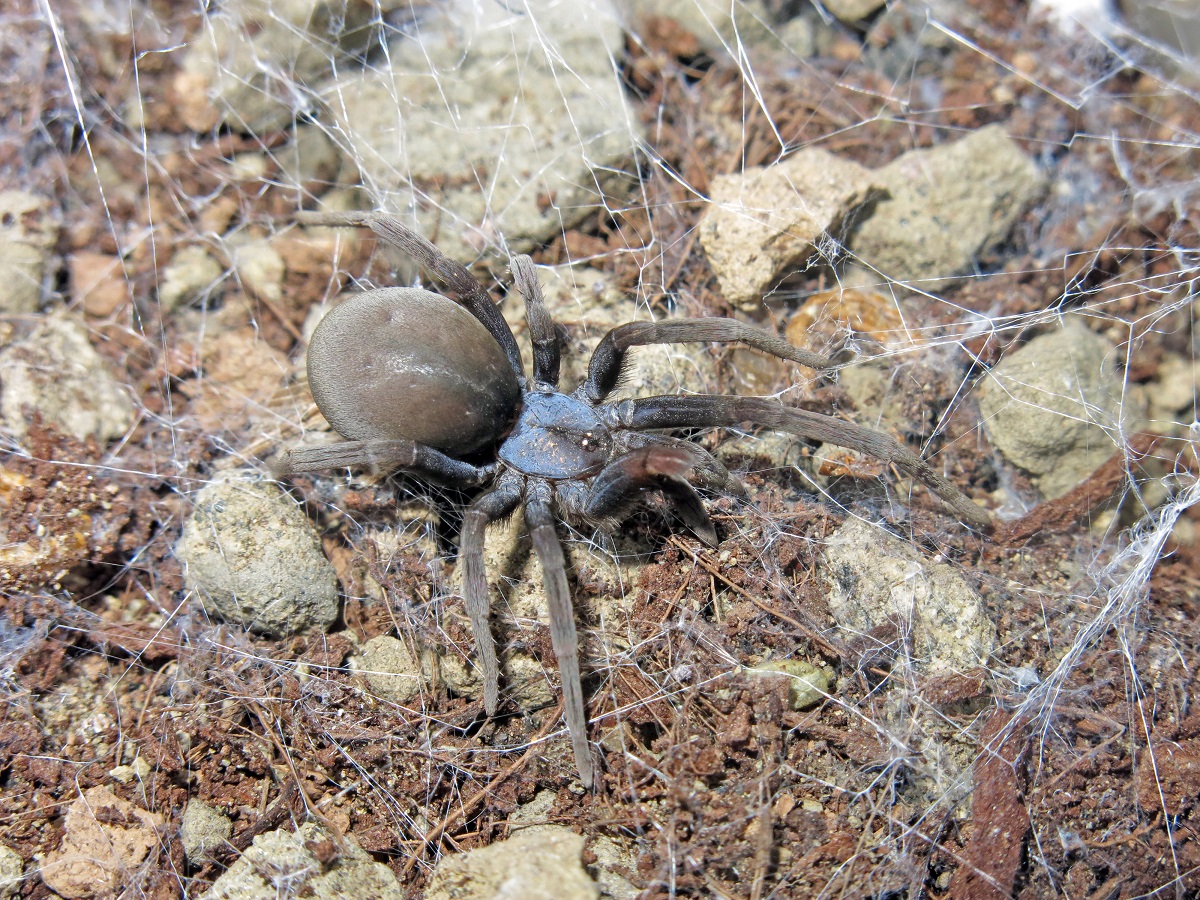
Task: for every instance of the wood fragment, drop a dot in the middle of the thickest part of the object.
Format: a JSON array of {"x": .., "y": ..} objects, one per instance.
[
  {"x": 1064, "y": 513},
  {"x": 1000, "y": 822}
]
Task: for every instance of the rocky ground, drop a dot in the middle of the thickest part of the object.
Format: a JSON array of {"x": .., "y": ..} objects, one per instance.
[{"x": 217, "y": 683}]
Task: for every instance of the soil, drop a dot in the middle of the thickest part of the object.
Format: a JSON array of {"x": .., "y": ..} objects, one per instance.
[{"x": 715, "y": 784}]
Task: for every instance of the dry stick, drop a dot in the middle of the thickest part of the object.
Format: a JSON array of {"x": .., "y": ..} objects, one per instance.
[
  {"x": 763, "y": 840},
  {"x": 467, "y": 808}
]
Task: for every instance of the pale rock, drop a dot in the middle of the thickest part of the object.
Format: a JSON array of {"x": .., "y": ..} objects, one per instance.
[
  {"x": 54, "y": 371},
  {"x": 259, "y": 267},
  {"x": 203, "y": 830},
  {"x": 541, "y": 863},
  {"x": 95, "y": 851},
  {"x": 253, "y": 66},
  {"x": 28, "y": 233},
  {"x": 807, "y": 684},
  {"x": 851, "y": 11},
  {"x": 874, "y": 578},
  {"x": 516, "y": 122},
  {"x": 255, "y": 559},
  {"x": 12, "y": 869},
  {"x": 391, "y": 669},
  {"x": 190, "y": 276},
  {"x": 947, "y": 206},
  {"x": 769, "y": 220},
  {"x": 282, "y": 864},
  {"x": 1057, "y": 407}
]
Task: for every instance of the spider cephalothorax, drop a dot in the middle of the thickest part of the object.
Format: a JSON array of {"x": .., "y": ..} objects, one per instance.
[{"x": 416, "y": 381}]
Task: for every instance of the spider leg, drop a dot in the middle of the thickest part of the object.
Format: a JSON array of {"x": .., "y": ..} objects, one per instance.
[
  {"x": 471, "y": 293},
  {"x": 539, "y": 516},
  {"x": 707, "y": 471},
  {"x": 718, "y": 410},
  {"x": 654, "y": 467},
  {"x": 495, "y": 504},
  {"x": 541, "y": 326},
  {"x": 382, "y": 456},
  {"x": 604, "y": 370}
]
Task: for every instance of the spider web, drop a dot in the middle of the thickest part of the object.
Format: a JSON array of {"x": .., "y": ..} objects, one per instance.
[{"x": 173, "y": 147}]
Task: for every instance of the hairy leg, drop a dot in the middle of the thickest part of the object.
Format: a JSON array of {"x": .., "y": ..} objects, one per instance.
[
  {"x": 717, "y": 410},
  {"x": 539, "y": 516},
  {"x": 495, "y": 504},
  {"x": 604, "y": 370},
  {"x": 707, "y": 472},
  {"x": 380, "y": 457}
]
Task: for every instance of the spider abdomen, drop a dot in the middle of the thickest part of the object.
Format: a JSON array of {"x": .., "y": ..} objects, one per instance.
[{"x": 408, "y": 363}]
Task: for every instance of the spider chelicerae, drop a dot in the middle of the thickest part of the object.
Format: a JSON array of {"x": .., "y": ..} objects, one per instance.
[{"x": 418, "y": 382}]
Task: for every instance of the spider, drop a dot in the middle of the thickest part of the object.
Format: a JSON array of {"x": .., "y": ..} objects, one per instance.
[{"x": 418, "y": 382}]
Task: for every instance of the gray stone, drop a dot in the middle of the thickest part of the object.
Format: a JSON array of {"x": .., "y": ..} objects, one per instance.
[
  {"x": 947, "y": 206},
  {"x": 190, "y": 276},
  {"x": 516, "y": 124},
  {"x": 767, "y": 220},
  {"x": 281, "y": 864},
  {"x": 309, "y": 157},
  {"x": 27, "y": 236},
  {"x": 874, "y": 578},
  {"x": 542, "y": 863},
  {"x": 808, "y": 685},
  {"x": 851, "y": 11},
  {"x": 12, "y": 868},
  {"x": 254, "y": 558},
  {"x": 252, "y": 64},
  {"x": 390, "y": 668},
  {"x": 1056, "y": 406},
  {"x": 55, "y": 371},
  {"x": 615, "y": 861},
  {"x": 203, "y": 830}
]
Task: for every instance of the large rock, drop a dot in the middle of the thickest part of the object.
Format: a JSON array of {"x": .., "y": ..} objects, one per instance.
[
  {"x": 253, "y": 63},
  {"x": 285, "y": 864},
  {"x": 769, "y": 219},
  {"x": 511, "y": 123},
  {"x": 255, "y": 559},
  {"x": 541, "y": 863},
  {"x": 1057, "y": 406},
  {"x": 947, "y": 206},
  {"x": 874, "y": 579}
]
